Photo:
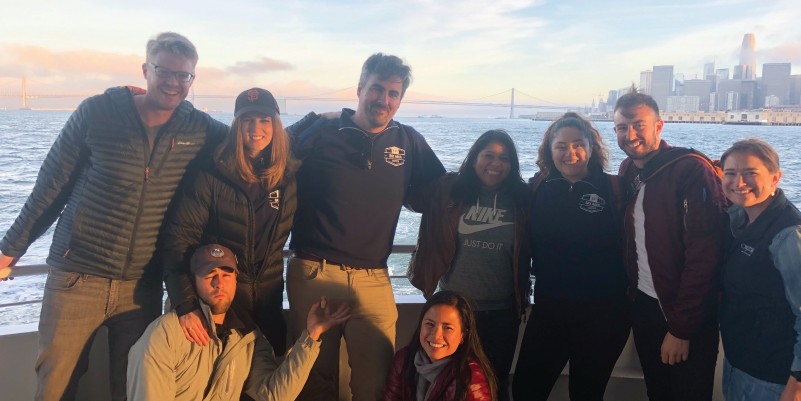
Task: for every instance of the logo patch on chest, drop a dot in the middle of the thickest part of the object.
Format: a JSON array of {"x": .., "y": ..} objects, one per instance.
[
  {"x": 275, "y": 199},
  {"x": 747, "y": 250},
  {"x": 592, "y": 203},
  {"x": 395, "y": 156}
]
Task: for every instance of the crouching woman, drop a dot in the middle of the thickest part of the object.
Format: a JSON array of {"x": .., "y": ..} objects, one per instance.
[{"x": 444, "y": 360}]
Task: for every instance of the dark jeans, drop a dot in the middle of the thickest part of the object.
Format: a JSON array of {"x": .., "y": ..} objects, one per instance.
[
  {"x": 690, "y": 380},
  {"x": 498, "y": 330},
  {"x": 590, "y": 334},
  {"x": 74, "y": 307}
]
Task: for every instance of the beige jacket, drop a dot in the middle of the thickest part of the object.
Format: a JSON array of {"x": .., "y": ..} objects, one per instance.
[{"x": 164, "y": 365}]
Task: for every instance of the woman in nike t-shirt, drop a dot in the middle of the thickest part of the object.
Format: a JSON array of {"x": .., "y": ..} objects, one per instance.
[{"x": 473, "y": 240}]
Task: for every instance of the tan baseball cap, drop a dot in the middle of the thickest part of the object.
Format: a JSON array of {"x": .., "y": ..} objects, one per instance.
[{"x": 209, "y": 257}]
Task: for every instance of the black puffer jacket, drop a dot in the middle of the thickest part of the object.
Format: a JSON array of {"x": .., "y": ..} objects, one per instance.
[
  {"x": 216, "y": 209},
  {"x": 113, "y": 193}
]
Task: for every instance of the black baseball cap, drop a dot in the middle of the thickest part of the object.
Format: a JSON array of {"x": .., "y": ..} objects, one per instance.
[
  {"x": 209, "y": 257},
  {"x": 256, "y": 99}
]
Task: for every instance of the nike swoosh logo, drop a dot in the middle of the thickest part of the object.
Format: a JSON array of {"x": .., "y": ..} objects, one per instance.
[{"x": 466, "y": 229}]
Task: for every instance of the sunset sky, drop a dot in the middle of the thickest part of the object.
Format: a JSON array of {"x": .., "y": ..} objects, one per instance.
[{"x": 560, "y": 51}]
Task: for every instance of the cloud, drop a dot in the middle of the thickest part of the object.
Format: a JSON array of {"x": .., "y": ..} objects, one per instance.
[{"x": 261, "y": 66}]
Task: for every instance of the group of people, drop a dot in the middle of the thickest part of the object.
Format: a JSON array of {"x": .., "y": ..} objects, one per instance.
[{"x": 147, "y": 189}]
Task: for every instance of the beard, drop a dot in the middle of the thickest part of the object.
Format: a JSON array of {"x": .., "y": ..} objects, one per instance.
[
  {"x": 639, "y": 154},
  {"x": 377, "y": 121},
  {"x": 221, "y": 306}
]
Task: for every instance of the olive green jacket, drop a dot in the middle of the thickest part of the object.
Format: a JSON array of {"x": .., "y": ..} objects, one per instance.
[{"x": 164, "y": 365}]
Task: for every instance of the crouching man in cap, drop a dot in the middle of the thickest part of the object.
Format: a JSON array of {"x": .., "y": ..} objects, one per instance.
[{"x": 162, "y": 365}]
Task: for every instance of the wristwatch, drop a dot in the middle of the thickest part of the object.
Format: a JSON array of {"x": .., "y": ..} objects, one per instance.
[{"x": 796, "y": 374}]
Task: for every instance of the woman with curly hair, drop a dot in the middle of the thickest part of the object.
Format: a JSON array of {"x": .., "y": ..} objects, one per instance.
[{"x": 581, "y": 311}]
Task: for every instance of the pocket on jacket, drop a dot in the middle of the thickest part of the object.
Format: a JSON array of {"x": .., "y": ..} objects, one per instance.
[
  {"x": 302, "y": 269},
  {"x": 60, "y": 280}
]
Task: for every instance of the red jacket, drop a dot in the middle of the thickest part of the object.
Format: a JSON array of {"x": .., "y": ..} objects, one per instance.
[
  {"x": 398, "y": 390},
  {"x": 685, "y": 234}
]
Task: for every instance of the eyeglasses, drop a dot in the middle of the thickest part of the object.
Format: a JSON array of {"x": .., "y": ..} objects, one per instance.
[{"x": 180, "y": 76}]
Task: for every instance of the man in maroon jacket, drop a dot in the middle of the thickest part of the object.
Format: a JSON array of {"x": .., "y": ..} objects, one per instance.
[{"x": 674, "y": 238}]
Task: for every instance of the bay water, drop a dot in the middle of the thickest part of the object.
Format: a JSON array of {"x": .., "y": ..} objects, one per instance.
[{"x": 26, "y": 136}]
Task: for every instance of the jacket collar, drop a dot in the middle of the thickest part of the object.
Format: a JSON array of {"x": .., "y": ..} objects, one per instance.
[
  {"x": 246, "y": 327},
  {"x": 346, "y": 122},
  {"x": 594, "y": 179},
  {"x": 738, "y": 217},
  {"x": 122, "y": 96}
]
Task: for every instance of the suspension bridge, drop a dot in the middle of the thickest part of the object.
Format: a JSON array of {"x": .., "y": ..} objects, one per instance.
[{"x": 26, "y": 89}]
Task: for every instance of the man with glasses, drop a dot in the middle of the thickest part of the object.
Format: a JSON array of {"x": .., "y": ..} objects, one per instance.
[
  {"x": 109, "y": 179},
  {"x": 358, "y": 171}
]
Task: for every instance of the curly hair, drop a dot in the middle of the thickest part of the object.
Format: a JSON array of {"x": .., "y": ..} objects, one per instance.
[{"x": 600, "y": 151}]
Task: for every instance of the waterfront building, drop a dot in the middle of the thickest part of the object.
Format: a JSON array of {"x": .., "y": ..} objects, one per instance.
[
  {"x": 765, "y": 117},
  {"x": 697, "y": 117},
  {"x": 772, "y": 101},
  {"x": 713, "y": 105},
  {"x": 732, "y": 101},
  {"x": 662, "y": 84},
  {"x": 686, "y": 104},
  {"x": 645, "y": 82},
  {"x": 795, "y": 89},
  {"x": 748, "y": 56},
  {"x": 700, "y": 88},
  {"x": 548, "y": 115},
  {"x": 776, "y": 82},
  {"x": 709, "y": 69},
  {"x": 723, "y": 73}
]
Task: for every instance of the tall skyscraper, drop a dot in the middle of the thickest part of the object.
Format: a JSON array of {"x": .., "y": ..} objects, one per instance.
[
  {"x": 709, "y": 69},
  {"x": 748, "y": 55},
  {"x": 776, "y": 82},
  {"x": 699, "y": 88},
  {"x": 645, "y": 82},
  {"x": 795, "y": 89},
  {"x": 611, "y": 99},
  {"x": 723, "y": 73},
  {"x": 662, "y": 84}
]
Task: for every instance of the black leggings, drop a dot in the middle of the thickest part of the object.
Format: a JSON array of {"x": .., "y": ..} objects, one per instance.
[
  {"x": 590, "y": 334},
  {"x": 498, "y": 330}
]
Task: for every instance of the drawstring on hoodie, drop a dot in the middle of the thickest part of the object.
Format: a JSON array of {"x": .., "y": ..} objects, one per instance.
[{"x": 494, "y": 205}]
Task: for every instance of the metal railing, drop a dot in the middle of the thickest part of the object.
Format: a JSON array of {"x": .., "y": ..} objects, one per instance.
[{"x": 35, "y": 270}]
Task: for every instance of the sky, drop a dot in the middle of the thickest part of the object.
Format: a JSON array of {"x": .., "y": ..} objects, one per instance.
[{"x": 563, "y": 52}]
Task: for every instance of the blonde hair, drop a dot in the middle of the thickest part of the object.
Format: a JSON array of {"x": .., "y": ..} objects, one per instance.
[
  {"x": 171, "y": 42},
  {"x": 232, "y": 152}
]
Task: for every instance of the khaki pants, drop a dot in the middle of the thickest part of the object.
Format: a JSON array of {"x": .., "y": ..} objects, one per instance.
[{"x": 369, "y": 334}]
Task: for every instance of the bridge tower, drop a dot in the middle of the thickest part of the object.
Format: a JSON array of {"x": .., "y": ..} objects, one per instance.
[
  {"x": 25, "y": 94},
  {"x": 512, "y": 112}
]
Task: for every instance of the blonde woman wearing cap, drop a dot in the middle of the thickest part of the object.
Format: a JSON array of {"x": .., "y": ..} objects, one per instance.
[{"x": 243, "y": 200}]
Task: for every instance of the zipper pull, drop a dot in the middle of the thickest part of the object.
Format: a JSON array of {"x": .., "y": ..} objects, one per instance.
[
  {"x": 369, "y": 164},
  {"x": 147, "y": 173}
]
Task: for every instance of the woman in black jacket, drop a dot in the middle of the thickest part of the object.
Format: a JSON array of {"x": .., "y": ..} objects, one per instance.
[
  {"x": 246, "y": 202},
  {"x": 580, "y": 311}
]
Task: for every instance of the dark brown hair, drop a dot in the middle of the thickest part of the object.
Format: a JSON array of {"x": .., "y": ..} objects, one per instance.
[
  {"x": 460, "y": 361},
  {"x": 600, "y": 152},
  {"x": 757, "y": 148},
  {"x": 385, "y": 66},
  {"x": 468, "y": 185},
  {"x": 635, "y": 98}
]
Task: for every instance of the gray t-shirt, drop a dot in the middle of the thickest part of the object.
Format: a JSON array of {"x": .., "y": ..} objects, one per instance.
[
  {"x": 151, "y": 135},
  {"x": 482, "y": 267}
]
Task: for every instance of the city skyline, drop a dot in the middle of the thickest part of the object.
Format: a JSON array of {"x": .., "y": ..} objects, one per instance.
[{"x": 562, "y": 52}]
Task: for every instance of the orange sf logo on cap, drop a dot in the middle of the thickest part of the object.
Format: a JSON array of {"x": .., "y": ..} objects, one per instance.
[{"x": 253, "y": 95}]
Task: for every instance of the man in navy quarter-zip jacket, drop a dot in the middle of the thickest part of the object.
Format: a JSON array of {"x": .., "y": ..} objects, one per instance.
[
  {"x": 357, "y": 173},
  {"x": 109, "y": 179}
]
